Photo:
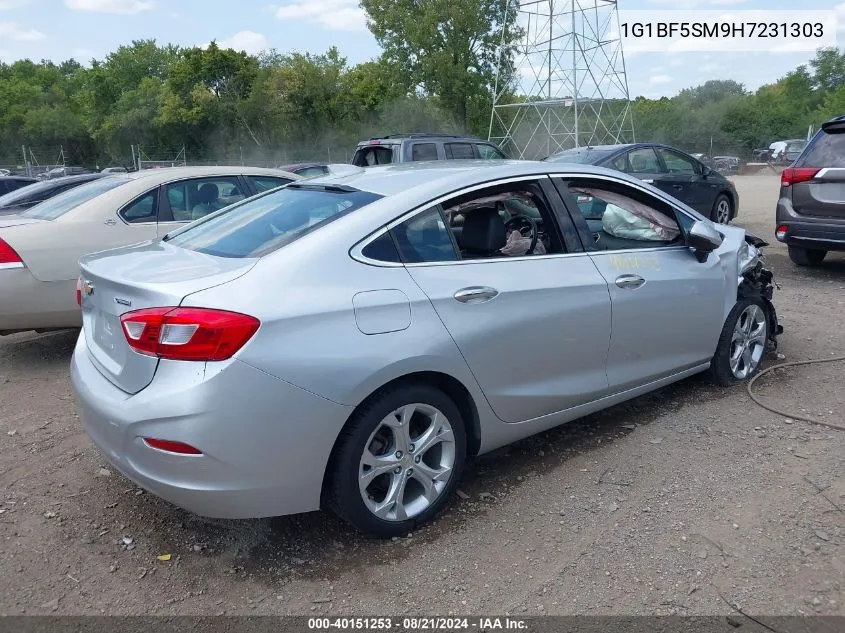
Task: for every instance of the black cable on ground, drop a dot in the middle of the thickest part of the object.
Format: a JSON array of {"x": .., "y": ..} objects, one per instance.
[{"x": 787, "y": 414}]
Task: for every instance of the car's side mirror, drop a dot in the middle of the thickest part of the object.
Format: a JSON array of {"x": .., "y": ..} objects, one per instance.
[{"x": 703, "y": 239}]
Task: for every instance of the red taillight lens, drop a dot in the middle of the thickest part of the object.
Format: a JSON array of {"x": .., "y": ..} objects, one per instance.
[
  {"x": 79, "y": 291},
  {"x": 8, "y": 257},
  {"x": 795, "y": 175},
  {"x": 188, "y": 333},
  {"x": 172, "y": 447},
  {"x": 780, "y": 232}
]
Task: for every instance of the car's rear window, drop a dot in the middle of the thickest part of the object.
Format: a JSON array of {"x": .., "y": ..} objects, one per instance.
[
  {"x": 266, "y": 223},
  {"x": 59, "y": 205},
  {"x": 825, "y": 150}
]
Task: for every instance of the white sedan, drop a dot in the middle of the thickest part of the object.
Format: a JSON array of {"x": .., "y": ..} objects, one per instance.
[{"x": 40, "y": 248}]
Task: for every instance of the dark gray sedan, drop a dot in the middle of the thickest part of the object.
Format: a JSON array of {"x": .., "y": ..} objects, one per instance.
[{"x": 675, "y": 172}]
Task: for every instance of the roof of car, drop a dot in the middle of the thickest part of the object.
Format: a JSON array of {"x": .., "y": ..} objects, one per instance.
[
  {"x": 420, "y": 135},
  {"x": 17, "y": 178},
  {"x": 397, "y": 178},
  {"x": 167, "y": 173},
  {"x": 294, "y": 166}
]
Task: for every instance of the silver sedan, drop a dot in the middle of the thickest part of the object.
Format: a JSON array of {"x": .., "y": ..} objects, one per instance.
[{"x": 347, "y": 342}]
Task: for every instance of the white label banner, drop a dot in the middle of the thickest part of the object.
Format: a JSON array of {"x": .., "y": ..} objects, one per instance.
[{"x": 681, "y": 31}]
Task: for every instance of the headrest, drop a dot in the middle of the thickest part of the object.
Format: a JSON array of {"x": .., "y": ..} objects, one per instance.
[{"x": 483, "y": 231}]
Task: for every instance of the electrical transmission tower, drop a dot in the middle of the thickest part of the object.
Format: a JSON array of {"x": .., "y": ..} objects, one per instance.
[{"x": 565, "y": 86}]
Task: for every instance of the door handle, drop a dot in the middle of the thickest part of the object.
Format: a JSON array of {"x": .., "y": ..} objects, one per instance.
[
  {"x": 476, "y": 294},
  {"x": 629, "y": 282},
  {"x": 111, "y": 222},
  {"x": 677, "y": 187}
]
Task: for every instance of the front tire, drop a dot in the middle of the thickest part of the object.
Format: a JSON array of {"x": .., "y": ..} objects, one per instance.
[
  {"x": 742, "y": 343},
  {"x": 806, "y": 256},
  {"x": 399, "y": 460},
  {"x": 721, "y": 213}
]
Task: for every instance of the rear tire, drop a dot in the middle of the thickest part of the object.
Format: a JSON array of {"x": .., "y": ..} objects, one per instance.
[
  {"x": 413, "y": 437},
  {"x": 722, "y": 210},
  {"x": 742, "y": 343},
  {"x": 806, "y": 256}
]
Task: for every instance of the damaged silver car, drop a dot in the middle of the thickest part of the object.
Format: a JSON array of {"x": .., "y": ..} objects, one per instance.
[{"x": 349, "y": 341}]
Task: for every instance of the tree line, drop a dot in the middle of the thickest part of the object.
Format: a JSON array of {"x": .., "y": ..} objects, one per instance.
[{"x": 436, "y": 73}]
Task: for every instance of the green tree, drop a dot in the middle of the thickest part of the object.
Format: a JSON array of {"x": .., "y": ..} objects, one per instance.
[{"x": 449, "y": 49}]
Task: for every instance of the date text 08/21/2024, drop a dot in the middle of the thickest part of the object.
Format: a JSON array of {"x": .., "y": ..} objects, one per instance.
[{"x": 417, "y": 624}]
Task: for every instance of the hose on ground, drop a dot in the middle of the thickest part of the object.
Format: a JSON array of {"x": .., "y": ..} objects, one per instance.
[{"x": 787, "y": 414}]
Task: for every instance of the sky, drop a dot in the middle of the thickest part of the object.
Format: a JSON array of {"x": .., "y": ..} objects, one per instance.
[{"x": 86, "y": 29}]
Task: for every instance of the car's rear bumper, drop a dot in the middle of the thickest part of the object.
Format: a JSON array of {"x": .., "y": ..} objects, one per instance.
[
  {"x": 824, "y": 233},
  {"x": 29, "y": 304},
  {"x": 265, "y": 443}
]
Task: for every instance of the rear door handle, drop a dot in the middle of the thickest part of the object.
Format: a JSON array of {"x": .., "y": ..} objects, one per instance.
[
  {"x": 476, "y": 294},
  {"x": 629, "y": 282}
]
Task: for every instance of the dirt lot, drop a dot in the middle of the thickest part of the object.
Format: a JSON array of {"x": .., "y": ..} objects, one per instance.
[{"x": 678, "y": 502}]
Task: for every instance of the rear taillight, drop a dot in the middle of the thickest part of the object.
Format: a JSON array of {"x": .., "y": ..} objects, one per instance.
[
  {"x": 795, "y": 175},
  {"x": 8, "y": 257},
  {"x": 199, "y": 334},
  {"x": 79, "y": 291},
  {"x": 780, "y": 233}
]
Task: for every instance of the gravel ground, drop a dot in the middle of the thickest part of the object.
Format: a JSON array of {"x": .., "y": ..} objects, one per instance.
[{"x": 679, "y": 502}]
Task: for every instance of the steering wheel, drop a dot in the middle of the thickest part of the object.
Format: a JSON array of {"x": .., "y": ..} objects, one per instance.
[{"x": 524, "y": 224}]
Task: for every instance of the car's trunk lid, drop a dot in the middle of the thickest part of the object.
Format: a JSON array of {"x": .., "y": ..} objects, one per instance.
[
  {"x": 823, "y": 196},
  {"x": 143, "y": 276}
]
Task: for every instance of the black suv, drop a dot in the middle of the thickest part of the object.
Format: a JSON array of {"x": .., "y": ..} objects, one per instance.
[
  {"x": 404, "y": 148},
  {"x": 811, "y": 209}
]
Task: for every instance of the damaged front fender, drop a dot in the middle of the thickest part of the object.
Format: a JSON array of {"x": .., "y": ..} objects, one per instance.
[{"x": 757, "y": 282}]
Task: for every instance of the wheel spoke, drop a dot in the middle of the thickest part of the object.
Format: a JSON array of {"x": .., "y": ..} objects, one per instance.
[
  {"x": 393, "y": 500},
  {"x": 746, "y": 358},
  {"x": 425, "y": 479},
  {"x": 433, "y": 435},
  {"x": 377, "y": 465},
  {"x": 436, "y": 475},
  {"x": 399, "y": 422}
]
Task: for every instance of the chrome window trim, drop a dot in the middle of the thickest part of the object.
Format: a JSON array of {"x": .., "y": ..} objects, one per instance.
[{"x": 356, "y": 252}]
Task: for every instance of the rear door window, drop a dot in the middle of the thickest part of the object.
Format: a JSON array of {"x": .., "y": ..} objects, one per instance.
[
  {"x": 644, "y": 161},
  {"x": 459, "y": 151},
  {"x": 425, "y": 238},
  {"x": 143, "y": 209},
  {"x": 265, "y": 183},
  {"x": 825, "y": 150},
  {"x": 268, "y": 222},
  {"x": 424, "y": 151}
]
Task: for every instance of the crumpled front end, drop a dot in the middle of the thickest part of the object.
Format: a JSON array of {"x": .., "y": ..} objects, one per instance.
[{"x": 755, "y": 281}]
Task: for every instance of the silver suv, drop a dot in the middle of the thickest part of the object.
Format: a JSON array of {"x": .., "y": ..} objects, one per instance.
[
  {"x": 811, "y": 209},
  {"x": 405, "y": 148}
]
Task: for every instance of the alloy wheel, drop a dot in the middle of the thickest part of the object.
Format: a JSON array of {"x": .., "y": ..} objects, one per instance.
[
  {"x": 407, "y": 462},
  {"x": 723, "y": 212},
  {"x": 748, "y": 342}
]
